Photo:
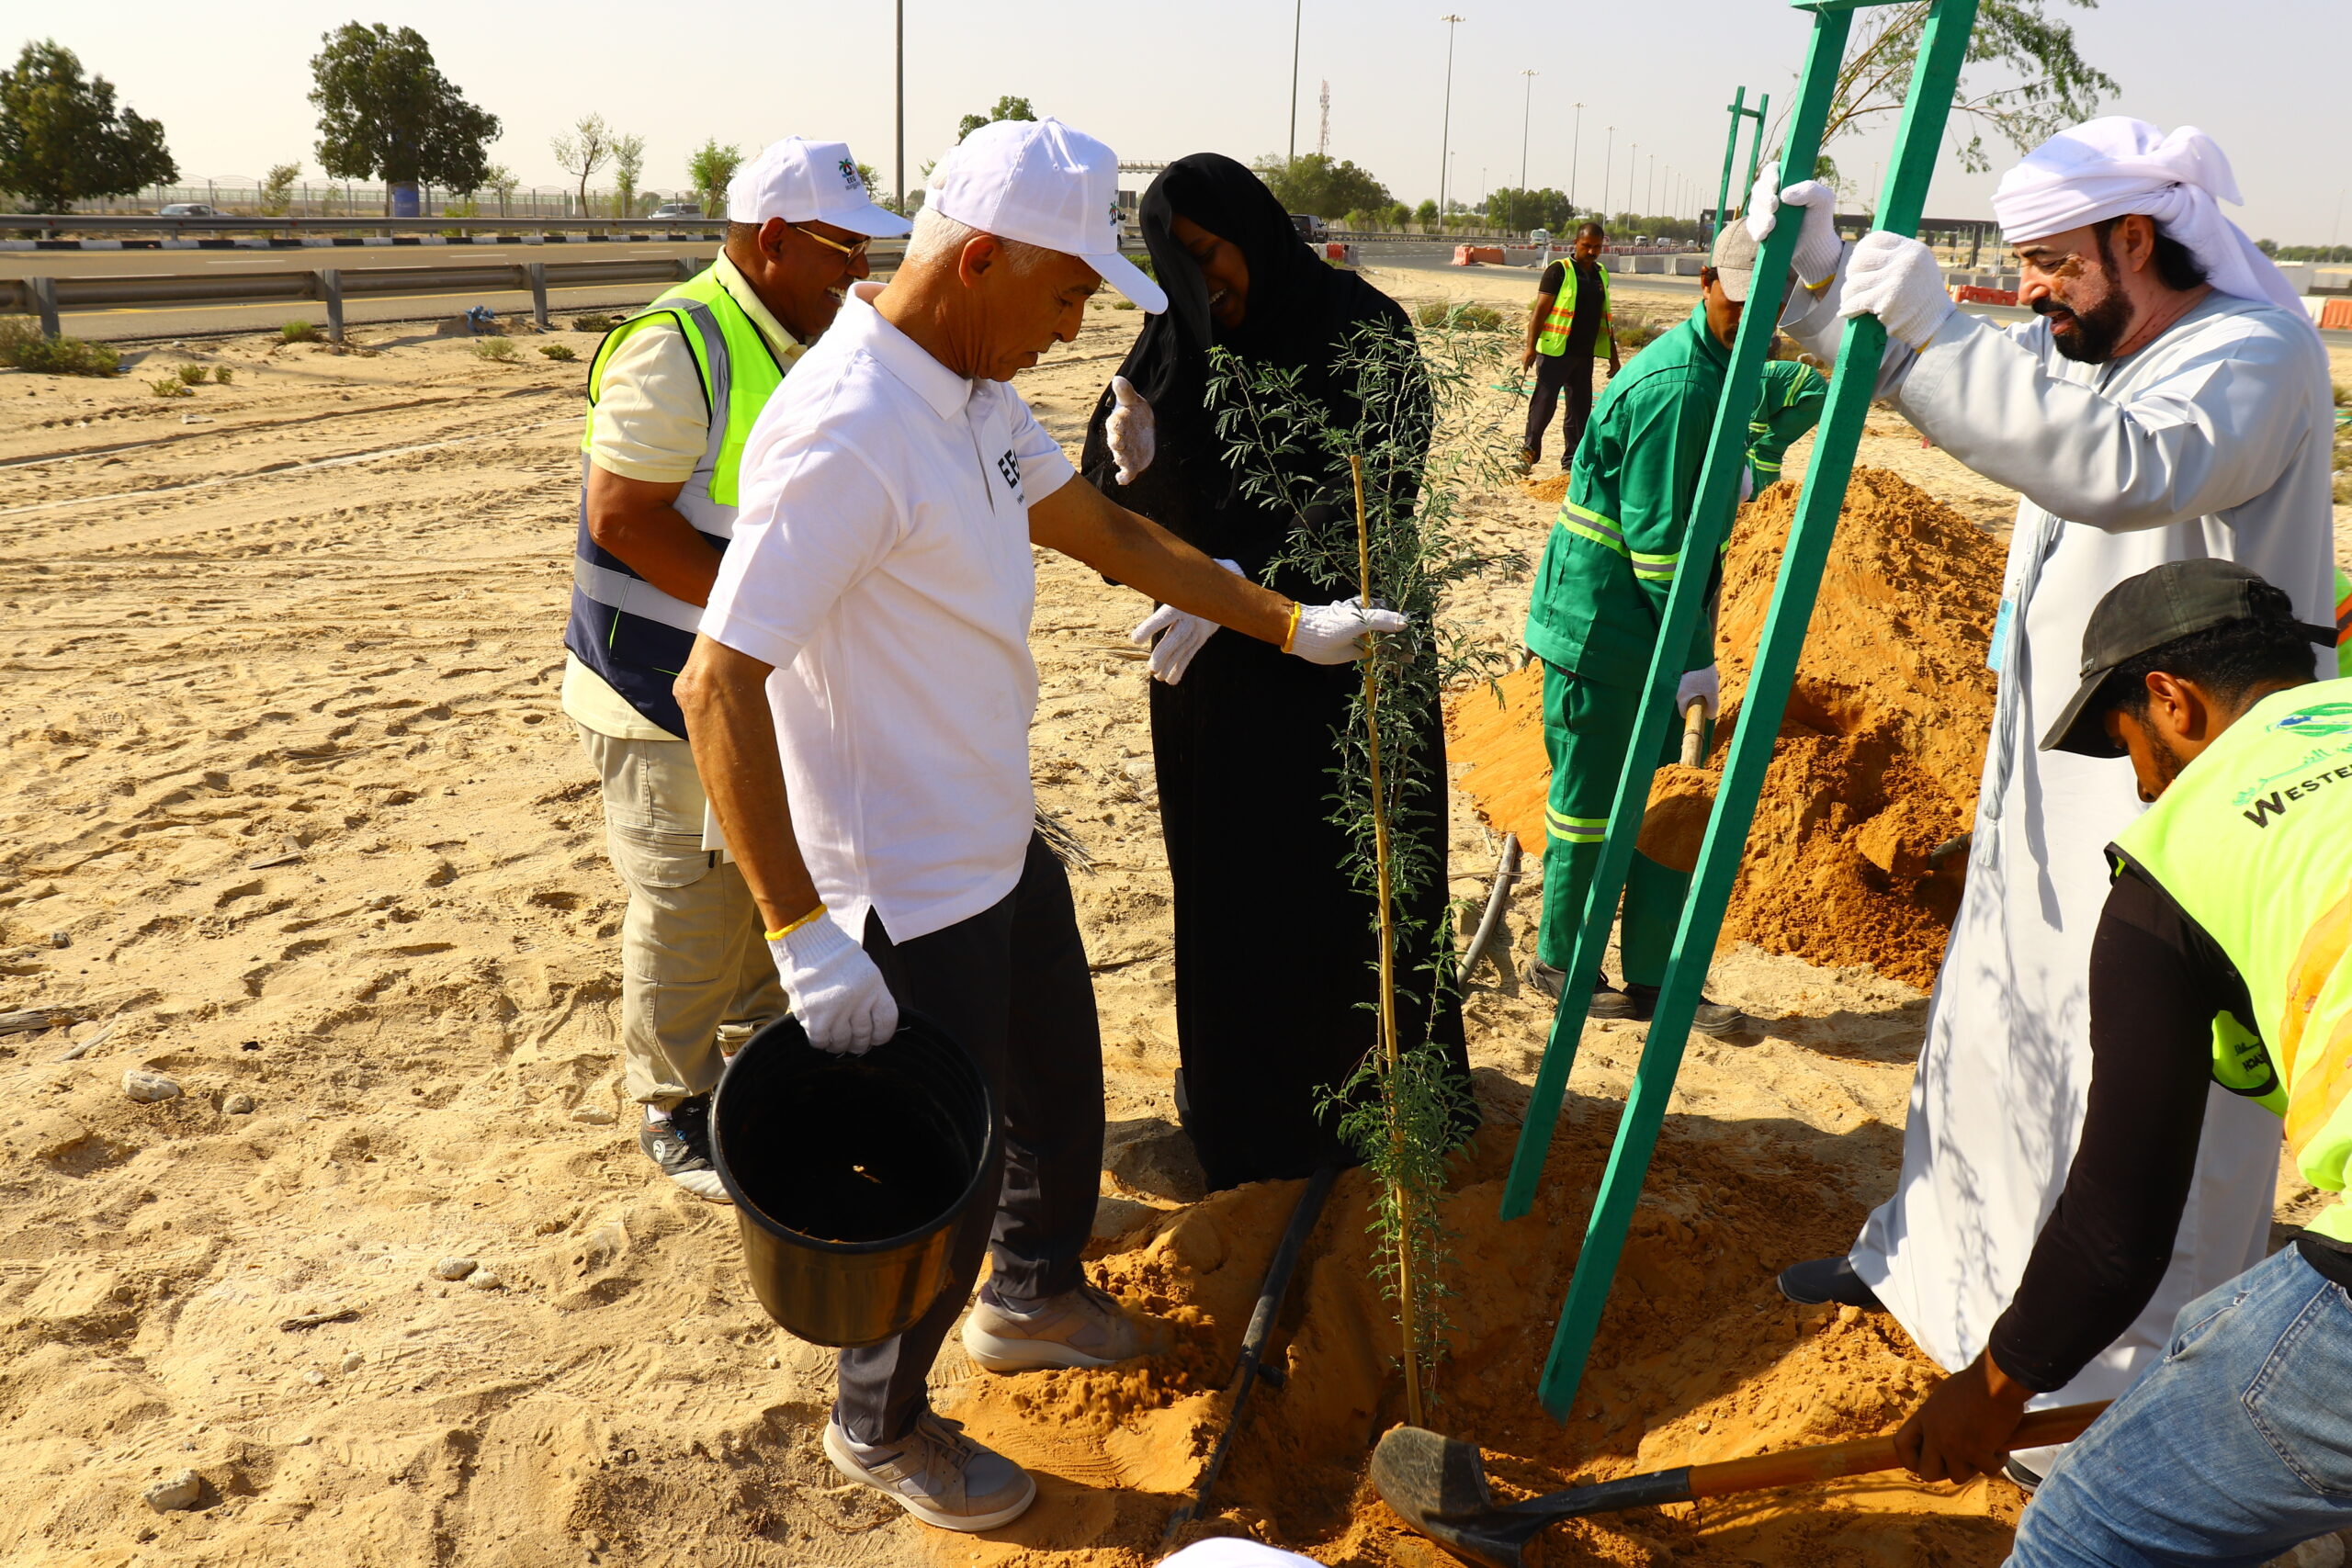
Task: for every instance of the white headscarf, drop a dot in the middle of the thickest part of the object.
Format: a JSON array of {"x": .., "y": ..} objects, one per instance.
[{"x": 2116, "y": 166}]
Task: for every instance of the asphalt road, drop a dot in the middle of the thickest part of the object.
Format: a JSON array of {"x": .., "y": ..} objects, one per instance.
[{"x": 116, "y": 322}]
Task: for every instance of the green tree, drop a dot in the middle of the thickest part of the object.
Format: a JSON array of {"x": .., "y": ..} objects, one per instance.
[
  {"x": 2042, "y": 84},
  {"x": 629, "y": 163},
  {"x": 1524, "y": 210},
  {"x": 61, "y": 138},
  {"x": 1007, "y": 107},
  {"x": 498, "y": 178},
  {"x": 386, "y": 111},
  {"x": 711, "y": 169},
  {"x": 1426, "y": 214},
  {"x": 1313, "y": 183},
  {"x": 584, "y": 149},
  {"x": 277, "y": 189}
]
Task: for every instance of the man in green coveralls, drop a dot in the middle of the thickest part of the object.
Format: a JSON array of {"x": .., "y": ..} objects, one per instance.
[
  {"x": 1600, "y": 600},
  {"x": 1794, "y": 393}
]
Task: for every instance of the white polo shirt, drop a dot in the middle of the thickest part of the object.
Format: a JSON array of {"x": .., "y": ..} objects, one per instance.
[{"x": 881, "y": 563}]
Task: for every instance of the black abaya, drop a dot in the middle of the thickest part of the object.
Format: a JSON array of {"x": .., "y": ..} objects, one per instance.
[{"x": 1275, "y": 947}]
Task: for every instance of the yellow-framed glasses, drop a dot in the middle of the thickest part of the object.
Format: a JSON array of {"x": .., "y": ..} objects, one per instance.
[{"x": 854, "y": 252}]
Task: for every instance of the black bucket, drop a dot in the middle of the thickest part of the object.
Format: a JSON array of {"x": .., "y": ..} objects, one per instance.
[{"x": 849, "y": 1174}]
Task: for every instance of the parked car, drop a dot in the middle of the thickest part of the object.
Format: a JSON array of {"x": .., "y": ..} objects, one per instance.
[
  {"x": 687, "y": 209},
  {"x": 1311, "y": 228},
  {"x": 189, "y": 209}
]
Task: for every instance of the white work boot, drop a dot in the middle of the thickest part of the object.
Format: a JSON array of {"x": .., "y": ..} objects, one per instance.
[
  {"x": 1084, "y": 1327},
  {"x": 936, "y": 1473}
]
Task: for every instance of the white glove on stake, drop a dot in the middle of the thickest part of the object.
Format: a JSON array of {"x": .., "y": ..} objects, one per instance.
[
  {"x": 1131, "y": 429},
  {"x": 1702, "y": 685},
  {"x": 1180, "y": 634},
  {"x": 836, "y": 992},
  {"x": 1334, "y": 634},
  {"x": 1817, "y": 242},
  {"x": 1895, "y": 279}
]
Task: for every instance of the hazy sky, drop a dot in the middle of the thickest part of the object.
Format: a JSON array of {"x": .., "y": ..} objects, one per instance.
[{"x": 1160, "y": 81}]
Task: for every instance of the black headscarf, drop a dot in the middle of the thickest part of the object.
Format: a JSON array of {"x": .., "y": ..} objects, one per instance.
[{"x": 1301, "y": 313}]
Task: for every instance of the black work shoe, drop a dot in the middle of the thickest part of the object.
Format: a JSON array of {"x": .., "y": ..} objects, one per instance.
[
  {"x": 2022, "y": 1477},
  {"x": 681, "y": 1146},
  {"x": 1824, "y": 1279},
  {"x": 1544, "y": 978},
  {"x": 1639, "y": 1003},
  {"x": 1609, "y": 1002}
]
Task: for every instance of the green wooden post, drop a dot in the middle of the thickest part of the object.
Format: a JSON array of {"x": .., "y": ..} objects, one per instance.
[
  {"x": 1710, "y": 521},
  {"x": 1731, "y": 152},
  {"x": 1943, "y": 49}
]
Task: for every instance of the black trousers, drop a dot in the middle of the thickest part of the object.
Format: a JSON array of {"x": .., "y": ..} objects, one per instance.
[
  {"x": 1555, "y": 372},
  {"x": 1011, "y": 984}
]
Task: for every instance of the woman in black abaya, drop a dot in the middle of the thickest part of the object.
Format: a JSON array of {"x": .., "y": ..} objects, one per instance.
[{"x": 1274, "y": 945}]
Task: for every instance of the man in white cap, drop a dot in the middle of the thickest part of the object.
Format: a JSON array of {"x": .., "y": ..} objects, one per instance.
[
  {"x": 2170, "y": 402},
  {"x": 860, "y": 700},
  {"x": 672, "y": 395}
]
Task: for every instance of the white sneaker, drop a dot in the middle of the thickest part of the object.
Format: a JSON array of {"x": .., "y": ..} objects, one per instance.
[
  {"x": 1084, "y": 1327},
  {"x": 936, "y": 1473}
]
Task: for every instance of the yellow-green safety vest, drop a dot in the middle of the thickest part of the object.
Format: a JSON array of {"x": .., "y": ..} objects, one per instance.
[
  {"x": 2252, "y": 843},
  {"x": 629, "y": 632},
  {"x": 1554, "y": 337}
]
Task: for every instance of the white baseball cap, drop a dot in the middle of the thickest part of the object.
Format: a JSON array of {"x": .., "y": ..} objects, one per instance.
[
  {"x": 1040, "y": 182},
  {"x": 808, "y": 182}
]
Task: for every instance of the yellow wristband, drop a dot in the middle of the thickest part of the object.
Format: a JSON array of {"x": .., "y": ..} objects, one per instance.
[
  {"x": 815, "y": 914},
  {"x": 1290, "y": 633}
]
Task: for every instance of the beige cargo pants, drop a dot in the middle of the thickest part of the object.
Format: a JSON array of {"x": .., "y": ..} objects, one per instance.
[{"x": 697, "y": 977}]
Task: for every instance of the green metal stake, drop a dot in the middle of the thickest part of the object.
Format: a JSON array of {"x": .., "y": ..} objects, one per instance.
[
  {"x": 1731, "y": 152},
  {"x": 1943, "y": 49},
  {"x": 1710, "y": 522}
]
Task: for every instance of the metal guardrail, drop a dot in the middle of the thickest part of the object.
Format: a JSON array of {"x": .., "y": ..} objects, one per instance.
[
  {"x": 56, "y": 223},
  {"x": 45, "y": 297}
]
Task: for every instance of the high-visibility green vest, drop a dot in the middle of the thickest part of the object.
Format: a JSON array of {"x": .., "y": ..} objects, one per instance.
[
  {"x": 1555, "y": 338},
  {"x": 2343, "y": 623},
  {"x": 2252, "y": 842},
  {"x": 629, "y": 632}
]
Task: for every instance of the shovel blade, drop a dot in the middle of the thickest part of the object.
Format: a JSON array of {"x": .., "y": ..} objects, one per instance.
[{"x": 1439, "y": 1487}]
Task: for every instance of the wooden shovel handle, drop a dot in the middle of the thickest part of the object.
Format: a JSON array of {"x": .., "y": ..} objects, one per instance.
[
  {"x": 1694, "y": 728},
  {"x": 1829, "y": 1462}
]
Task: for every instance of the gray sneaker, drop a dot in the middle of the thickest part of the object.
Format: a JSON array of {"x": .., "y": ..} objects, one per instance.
[
  {"x": 681, "y": 1146},
  {"x": 936, "y": 1473},
  {"x": 1084, "y": 1327}
]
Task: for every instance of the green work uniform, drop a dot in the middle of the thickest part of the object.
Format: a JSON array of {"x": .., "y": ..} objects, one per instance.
[
  {"x": 1600, "y": 600},
  {"x": 1794, "y": 393}
]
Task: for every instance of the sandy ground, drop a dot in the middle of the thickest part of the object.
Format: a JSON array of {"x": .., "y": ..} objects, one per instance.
[{"x": 294, "y": 818}]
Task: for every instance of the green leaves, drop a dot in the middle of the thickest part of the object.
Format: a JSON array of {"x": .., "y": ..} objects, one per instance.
[
  {"x": 61, "y": 138},
  {"x": 1313, "y": 183},
  {"x": 386, "y": 111},
  {"x": 1007, "y": 107},
  {"x": 711, "y": 168}
]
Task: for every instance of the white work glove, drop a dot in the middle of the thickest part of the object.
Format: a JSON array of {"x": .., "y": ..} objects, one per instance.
[
  {"x": 1180, "y": 634},
  {"x": 1334, "y": 634},
  {"x": 1700, "y": 685},
  {"x": 1895, "y": 279},
  {"x": 836, "y": 992},
  {"x": 1747, "y": 483},
  {"x": 1817, "y": 242},
  {"x": 1130, "y": 430}
]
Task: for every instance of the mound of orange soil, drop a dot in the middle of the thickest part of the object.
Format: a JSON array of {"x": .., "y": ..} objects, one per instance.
[
  {"x": 1698, "y": 1358},
  {"x": 1881, "y": 746}
]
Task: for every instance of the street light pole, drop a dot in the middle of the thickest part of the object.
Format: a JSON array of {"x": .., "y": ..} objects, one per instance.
[
  {"x": 1526, "y": 114},
  {"x": 902, "y": 104},
  {"x": 1633, "y": 162},
  {"x": 1298, "y": 19},
  {"x": 1445, "y": 133},
  {"x": 1575, "y": 161},
  {"x": 1608, "y": 167}
]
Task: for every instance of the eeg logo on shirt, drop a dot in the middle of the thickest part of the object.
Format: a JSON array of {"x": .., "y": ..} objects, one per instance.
[{"x": 1010, "y": 467}]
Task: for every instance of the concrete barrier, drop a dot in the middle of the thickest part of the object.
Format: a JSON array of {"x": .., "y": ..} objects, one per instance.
[
  {"x": 1478, "y": 255},
  {"x": 1689, "y": 266},
  {"x": 1650, "y": 263}
]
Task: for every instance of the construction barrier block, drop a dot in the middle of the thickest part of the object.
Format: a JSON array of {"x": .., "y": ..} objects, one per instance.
[{"x": 2336, "y": 315}]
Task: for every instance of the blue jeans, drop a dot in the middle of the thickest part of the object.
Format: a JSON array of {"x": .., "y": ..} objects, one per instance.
[{"x": 2232, "y": 1449}]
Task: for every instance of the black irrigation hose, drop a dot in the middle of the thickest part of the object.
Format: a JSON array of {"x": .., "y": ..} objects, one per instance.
[{"x": 1253, "y": 1340}]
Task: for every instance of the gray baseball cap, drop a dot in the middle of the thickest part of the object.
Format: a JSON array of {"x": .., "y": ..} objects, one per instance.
[
  {"x": 2161, "y": 604},
  {"x": 1735, "y": 261}
]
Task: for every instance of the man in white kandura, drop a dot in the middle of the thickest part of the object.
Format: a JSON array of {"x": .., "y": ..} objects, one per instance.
[
  {"x": 873, "y": 617},
  {"x": 2170, "y": 400}
]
